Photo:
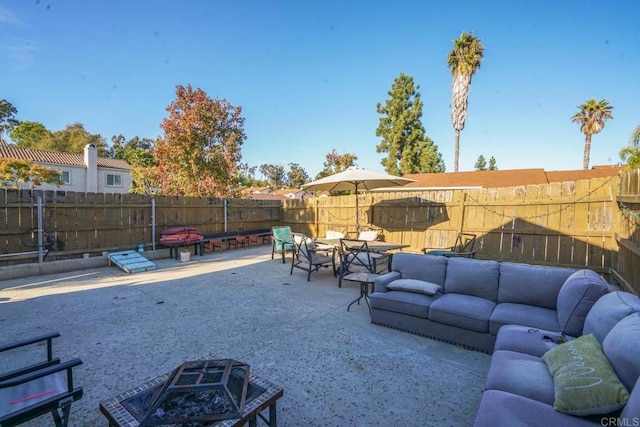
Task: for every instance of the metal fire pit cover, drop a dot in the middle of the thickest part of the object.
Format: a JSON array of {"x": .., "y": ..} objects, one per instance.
[{"x": 201, "y": 391}]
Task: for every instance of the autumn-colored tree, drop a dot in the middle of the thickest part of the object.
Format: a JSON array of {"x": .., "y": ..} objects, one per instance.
[
  {"x": 336, "y": 163},
  {"x": 200, "y": 151},
  {"x": 18, "y": 173}
]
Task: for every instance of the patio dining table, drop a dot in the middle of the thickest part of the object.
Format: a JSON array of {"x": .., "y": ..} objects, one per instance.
[{"x": 374, "y": 245}]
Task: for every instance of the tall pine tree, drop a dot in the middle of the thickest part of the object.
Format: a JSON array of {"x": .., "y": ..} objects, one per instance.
[{"x": 408, "y": 149}]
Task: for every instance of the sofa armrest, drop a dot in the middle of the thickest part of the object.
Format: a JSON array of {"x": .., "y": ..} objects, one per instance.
[{"x": 380, "y": 285}]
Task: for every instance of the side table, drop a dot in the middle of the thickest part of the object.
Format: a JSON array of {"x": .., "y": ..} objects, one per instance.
[{"x": 364, "y": 279}]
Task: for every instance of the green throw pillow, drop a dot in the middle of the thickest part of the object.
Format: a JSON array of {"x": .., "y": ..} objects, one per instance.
[{"x": 584, "y": 380}]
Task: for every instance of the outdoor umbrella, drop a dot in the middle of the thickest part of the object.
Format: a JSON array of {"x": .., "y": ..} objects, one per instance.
[{"x": 354, "y": 179}]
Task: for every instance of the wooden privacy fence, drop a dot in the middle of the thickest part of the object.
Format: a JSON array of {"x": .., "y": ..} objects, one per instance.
[
  {"x": 628, "y": 234},
  {"x": 588, "y": 223},
  {"x": 570, "y": 224},
  {"x": 77, "y": 223}
]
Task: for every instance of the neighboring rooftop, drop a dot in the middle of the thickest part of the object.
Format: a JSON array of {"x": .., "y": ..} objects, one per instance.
[
  {"x": 505, "y": 178},
  {"x": 57, "y": 158}
]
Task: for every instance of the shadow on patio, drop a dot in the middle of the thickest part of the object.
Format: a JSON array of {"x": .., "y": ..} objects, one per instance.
[{"x": 336, "y": 368}]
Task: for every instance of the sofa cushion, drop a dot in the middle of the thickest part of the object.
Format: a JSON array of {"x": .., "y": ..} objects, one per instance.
[
  {"x": 622, "y": 348},
  {"x": 472, "y": 277},
  {"x": 584, "y": 380},
  {"x": 631, "y": 410},
  {"x": 576, "y": 297},
  {"x": 415, "y": 285},
  {"x": 525, "y": 315},
  {"x": 531, "y": 284},
  {"x": 463, "y": 311},
  {"x": 525, "y": 339},
  {"x": 498, "y": 408},
  {"x": 410, "y": 303},
  {"x": 521, "y": 374},
  {"x": 608, "y": 311},
  {"x": 422, "y": 267}
]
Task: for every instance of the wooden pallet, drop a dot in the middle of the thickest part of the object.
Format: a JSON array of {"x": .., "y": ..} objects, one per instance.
[{"x": 131, "y": 261}]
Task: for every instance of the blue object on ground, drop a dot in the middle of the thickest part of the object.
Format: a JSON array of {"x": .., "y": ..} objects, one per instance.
[{"x": 131, "y": 261}]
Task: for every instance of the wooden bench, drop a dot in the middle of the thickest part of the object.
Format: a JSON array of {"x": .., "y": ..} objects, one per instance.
[{"x": 235, "y": 239}]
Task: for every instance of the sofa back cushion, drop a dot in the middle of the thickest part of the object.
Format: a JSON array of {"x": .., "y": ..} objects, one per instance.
[
  {"x": 576, "y": 297},
  {"x": 622, "y": 348},
  {"x": 429, "y": 268},
  {"x": 531, "y": 284},
  {"x": 474, "y": 277},
  {"x": 608, "y": 311},
  {"x": 631, "y": 412}
]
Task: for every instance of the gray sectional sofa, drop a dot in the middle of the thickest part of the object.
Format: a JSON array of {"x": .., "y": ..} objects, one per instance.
[
  {"x": 520, "y": 390},
  {"x": 466, "y": 301},
  {"x": 519, "y": 313}
]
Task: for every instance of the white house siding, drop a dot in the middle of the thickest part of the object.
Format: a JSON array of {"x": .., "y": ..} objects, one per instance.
[{"x": 102, "y": 181}]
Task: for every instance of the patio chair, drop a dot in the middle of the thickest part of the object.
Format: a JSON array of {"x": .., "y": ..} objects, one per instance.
[
  {"x": 330, "y": 235},
  {"x": 34, "y": 390},
  {"x": 307, "y": 258},
  {"x": 281, "y": 241},
  {"x": 462, "y": 248},
  {"x": 369, "y": 235},
  {"x": 355, "y": 256}
]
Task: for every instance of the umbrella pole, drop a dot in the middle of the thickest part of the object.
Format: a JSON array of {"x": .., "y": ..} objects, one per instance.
[{"x": 357, "y": 222}]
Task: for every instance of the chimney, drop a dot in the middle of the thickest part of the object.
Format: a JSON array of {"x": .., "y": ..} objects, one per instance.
[{"x": 91, "y": 162}]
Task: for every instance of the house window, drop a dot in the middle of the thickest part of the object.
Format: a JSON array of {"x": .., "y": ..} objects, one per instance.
[
  {"x": 114, "y": 180},
  {"x": 65, "y": 177}
]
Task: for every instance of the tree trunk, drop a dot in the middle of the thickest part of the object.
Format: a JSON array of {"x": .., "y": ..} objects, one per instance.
[
  {"x": 460, "y": 93},
  {"x": 457, "y": 151},
  {"x": 587, "y": 150}
]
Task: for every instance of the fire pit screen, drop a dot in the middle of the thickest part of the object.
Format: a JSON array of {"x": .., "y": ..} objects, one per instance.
[{"x": 199, "y": 391}]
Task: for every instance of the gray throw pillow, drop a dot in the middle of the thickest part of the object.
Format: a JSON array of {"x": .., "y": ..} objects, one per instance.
[{"x": 414, "y": 285}]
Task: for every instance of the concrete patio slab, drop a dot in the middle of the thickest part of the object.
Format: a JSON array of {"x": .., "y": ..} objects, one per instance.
[{"x": 336, "y": 368}]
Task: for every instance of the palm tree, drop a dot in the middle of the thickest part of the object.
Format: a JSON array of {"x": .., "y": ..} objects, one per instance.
[
  {"x": 591, "y": 118},
  {"x": 464, "y": 60},
  {"x": 631, "y": 154}
]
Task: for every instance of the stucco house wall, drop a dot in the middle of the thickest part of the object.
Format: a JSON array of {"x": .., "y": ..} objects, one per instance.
[{"x": 81, "y": 173}]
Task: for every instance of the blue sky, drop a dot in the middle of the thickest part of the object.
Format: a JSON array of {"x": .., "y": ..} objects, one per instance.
[{"x": 308, "y": 74}]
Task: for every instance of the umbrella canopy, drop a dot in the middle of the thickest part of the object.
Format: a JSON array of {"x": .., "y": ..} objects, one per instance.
[{"x": 354, "y": 179}]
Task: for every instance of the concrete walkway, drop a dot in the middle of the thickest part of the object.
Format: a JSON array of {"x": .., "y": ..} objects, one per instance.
[{"x": 336, "y": 368}]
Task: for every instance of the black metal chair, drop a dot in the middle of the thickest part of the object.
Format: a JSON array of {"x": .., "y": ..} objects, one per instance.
[
  {"x": 462, "y": 248},
  {"x": 34, "y": 390},
  {"x": 355, "y": 256},
  {"x": 308, "y": 258}
]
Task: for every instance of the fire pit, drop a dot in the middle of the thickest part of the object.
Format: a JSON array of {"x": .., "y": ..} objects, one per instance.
[{"x": 201, "y": 392}]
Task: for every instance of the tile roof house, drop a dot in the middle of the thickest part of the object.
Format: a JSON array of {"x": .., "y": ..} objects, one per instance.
[
  {"x": 502, "y": 178},
  {"x": 81, "y": 173}
]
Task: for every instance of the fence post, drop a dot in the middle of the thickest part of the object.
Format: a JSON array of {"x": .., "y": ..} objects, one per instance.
[
  {"x": 40, "y": 233},
  {"x": 317, "y": 225},
  {"x": 225, "y": 204},
  {"x": 153, "y": 223},
  {"x": 463, "y": 200}
]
